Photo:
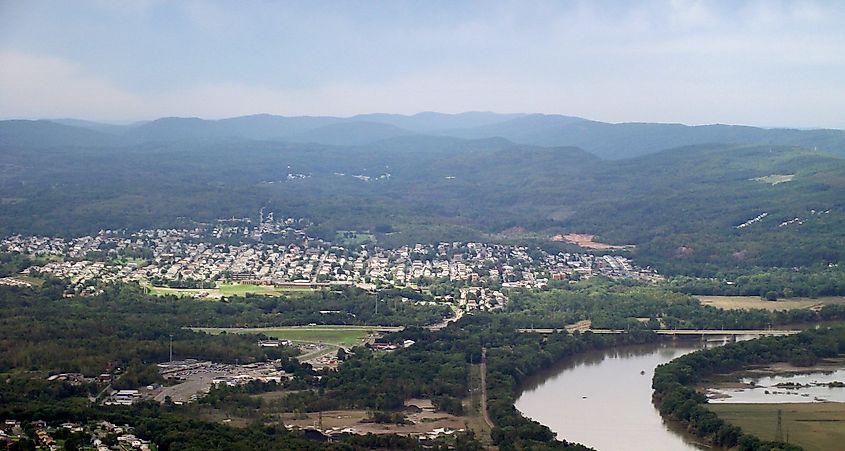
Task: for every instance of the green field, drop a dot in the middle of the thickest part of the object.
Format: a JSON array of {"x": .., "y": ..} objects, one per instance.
[
  {"x": 341, "y": 336},
  {"x": 227, "y": 289},
  {"x": 354, "y": 237},
  {"x": 240, "y": 289},
  {"x": 814, "y": 426},
  {"x": 11, "y": 200}
]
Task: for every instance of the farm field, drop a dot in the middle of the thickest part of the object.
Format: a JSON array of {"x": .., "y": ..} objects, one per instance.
[
  {"x": 755, "y": 302},
  {"x": 814, "y": 426}
]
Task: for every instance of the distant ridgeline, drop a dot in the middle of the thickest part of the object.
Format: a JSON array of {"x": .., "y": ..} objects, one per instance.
[{"x": 761, "y": 198}]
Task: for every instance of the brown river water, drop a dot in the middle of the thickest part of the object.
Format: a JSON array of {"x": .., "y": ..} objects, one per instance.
[{"x": 601, "y": 399}]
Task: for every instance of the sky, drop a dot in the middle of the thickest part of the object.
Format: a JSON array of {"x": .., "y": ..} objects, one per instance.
[{"x": 765, "y": 63}]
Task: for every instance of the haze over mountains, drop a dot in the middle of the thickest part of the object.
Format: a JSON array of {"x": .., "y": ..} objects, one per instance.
[
  {"x": 606, "y": 140},
  {"x": 677, "y": 192}
]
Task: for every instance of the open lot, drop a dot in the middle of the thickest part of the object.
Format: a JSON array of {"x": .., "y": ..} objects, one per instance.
[
  {"x": 240, "y": 289},
  {"x": 334, "y": 335},
  {"x": 815, "y": 426},
  {"x": 354, "y": 237},
  {"x": 423, "y": 419},
  {"x": 775, "y": 179},
  {"x": 587, "y": 241},
  {"x": 420, "y": 413},
  {"x": 228, "y": 289},
  {"x": 204, "y": 293},
  {"x": 755, "y": 302}
]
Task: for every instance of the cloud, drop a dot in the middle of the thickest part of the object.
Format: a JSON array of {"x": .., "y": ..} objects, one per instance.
[
  {"x": 46, "y": 86},
  {"x": 752, "y": 62}
]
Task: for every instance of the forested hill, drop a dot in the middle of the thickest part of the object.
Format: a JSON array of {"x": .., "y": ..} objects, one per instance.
[
  {"x": 626, "y": 140},
  {"x": 606, "y": 140},
  {"x": 694, "y": 208}
]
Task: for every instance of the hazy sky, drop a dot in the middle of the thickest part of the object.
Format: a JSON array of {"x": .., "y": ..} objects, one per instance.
[{"x": 770, "y": 63}]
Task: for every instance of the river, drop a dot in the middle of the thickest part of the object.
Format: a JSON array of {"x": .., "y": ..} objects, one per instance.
[{"x": 602, "y": 399}]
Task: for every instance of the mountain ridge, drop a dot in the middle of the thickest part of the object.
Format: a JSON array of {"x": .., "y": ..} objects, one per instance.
[{"x": 610, "y": 141}]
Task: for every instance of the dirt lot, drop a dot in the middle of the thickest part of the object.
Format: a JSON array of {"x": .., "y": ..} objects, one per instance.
[
  {"x": 586, "y": 241},
  {"x": 755, "y": 302},
  {"x": 424, "y": 421}
]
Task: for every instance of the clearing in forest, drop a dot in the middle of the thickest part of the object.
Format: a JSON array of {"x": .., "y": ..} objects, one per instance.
[
  {"x": 586, "y": 241},
  {"x": 755, "y": 302},
  {"x": 334, "y": 335},
  {"x": 775, "y": 179}
]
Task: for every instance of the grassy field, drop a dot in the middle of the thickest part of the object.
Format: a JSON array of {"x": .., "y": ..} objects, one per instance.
[
  {"x": 354, "y": 238},
  {"x": 755, "y": 302},
  {"x": 340, "y": 336},
  {"x": 814, "y": 426},
  {"x": 228, "y": 289},
  {"x": 240, "y": 289}
]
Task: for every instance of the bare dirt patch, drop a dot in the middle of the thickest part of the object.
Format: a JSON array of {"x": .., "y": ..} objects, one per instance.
[
  {"x": 587, "y": 241},
  {"x": 424, "y": 420},
  {"x": 755, "y": 302},
  {"x": 580, "y": 326},
  {"x": 775, "y": 179}
]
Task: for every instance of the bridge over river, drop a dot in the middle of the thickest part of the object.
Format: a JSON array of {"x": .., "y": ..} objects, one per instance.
[{"x": 680, "y": 332}]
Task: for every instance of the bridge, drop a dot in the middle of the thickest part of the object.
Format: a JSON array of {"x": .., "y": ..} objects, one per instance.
[{"x": 680, "y": 332}]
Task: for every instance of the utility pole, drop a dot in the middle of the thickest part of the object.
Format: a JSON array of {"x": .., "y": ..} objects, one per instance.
[
  {"x": 171, "y": 348},
  {"x": 779, "y": 430}
]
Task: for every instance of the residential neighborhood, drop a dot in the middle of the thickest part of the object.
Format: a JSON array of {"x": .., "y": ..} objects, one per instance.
[
  {"x": 279, "y": 253},
  {"x": 99, "y": 436}
]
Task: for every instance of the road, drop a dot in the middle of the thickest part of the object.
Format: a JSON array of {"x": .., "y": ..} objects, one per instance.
[
  {"x": 484, "y": 389},
  {"x": 457, "y": 313}
]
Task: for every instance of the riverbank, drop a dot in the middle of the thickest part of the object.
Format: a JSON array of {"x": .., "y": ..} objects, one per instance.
[{"x": 602, "y": 398}]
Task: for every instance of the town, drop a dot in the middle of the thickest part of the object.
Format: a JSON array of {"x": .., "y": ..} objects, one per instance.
[
  {"x": 99, "y": 436},
  {"x": 281, "y": 254}
]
